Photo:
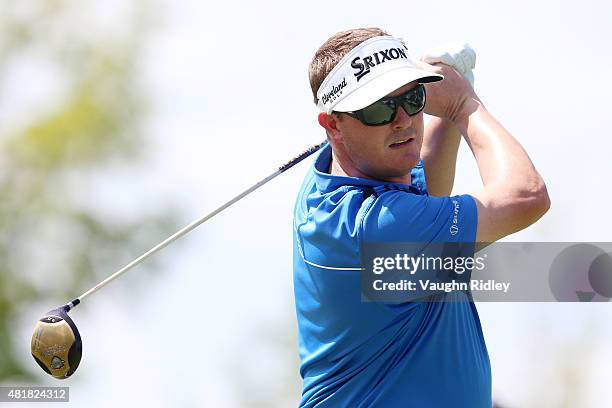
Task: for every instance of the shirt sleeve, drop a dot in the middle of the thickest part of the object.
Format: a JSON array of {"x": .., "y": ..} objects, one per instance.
[{"x": 399, "y": 216}]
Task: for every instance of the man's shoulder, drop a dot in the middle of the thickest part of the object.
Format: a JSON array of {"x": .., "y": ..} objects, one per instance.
[
  {"x": 342, "y": 203},
  {"x": 401, "y": 216},
  {"x": 344, "y": 210}
]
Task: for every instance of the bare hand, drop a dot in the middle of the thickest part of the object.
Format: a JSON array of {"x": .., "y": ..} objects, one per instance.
[{"x": 450, "y": 98}]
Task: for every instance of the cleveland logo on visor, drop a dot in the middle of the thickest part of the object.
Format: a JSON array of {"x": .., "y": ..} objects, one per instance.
[
  {"x": 335, "y": 91},
  {"x": 369, "y": 72}
]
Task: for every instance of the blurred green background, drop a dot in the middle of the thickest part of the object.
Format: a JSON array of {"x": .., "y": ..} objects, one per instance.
[
  {"x": 122, "y": 121},
  {"x": 53, "y": 243}
]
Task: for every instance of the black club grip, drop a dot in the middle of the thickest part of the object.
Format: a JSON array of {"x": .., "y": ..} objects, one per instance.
[{"x": 301, "y": 156}]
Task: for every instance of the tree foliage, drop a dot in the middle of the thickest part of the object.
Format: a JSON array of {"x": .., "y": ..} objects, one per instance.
[{"x": 54, "y": 242}]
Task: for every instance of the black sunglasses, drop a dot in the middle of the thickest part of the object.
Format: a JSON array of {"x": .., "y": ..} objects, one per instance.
[{"x": 384, "y": 110}]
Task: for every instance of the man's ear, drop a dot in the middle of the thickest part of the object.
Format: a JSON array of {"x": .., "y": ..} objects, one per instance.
[{"x": 328, "y": 122}]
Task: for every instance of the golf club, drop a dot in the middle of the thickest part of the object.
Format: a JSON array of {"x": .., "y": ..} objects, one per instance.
[{"x": 56, "y": 343}]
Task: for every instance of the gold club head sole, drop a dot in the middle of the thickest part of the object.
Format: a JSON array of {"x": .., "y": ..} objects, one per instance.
[{"x": 56, "y": 344}]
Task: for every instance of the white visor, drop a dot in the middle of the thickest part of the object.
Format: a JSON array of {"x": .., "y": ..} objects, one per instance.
[{"x": 370, "y": 71}]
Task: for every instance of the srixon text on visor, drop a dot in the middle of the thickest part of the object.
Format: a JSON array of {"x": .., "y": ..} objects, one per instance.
[{"x": 363, "y": 65}]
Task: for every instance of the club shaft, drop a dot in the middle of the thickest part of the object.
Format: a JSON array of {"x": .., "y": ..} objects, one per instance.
[{"x": 195, "y": 224}]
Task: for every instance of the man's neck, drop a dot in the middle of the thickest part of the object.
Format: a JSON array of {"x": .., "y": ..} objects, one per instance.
[{"x": 337, "y": 169}]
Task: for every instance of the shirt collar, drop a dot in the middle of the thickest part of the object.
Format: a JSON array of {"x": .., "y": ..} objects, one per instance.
[{"x": 327, "y": 182}]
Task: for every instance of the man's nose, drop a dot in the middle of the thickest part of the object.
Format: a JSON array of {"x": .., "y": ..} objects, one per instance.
[{"x": 402, "y": 119}]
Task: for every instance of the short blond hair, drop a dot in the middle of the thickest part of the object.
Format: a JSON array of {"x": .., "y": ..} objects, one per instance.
[{"x": 333, "y": 50}]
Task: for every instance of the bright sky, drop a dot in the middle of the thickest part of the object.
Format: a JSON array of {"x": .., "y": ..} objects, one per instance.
[{"x": 232, "y": 102}]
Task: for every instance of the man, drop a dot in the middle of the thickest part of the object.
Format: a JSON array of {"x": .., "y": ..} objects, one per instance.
[{"x": 384, "y": 178}]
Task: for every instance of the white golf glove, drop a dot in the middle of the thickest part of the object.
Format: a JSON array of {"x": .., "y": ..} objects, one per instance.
[{"x": 462, "y": 57}]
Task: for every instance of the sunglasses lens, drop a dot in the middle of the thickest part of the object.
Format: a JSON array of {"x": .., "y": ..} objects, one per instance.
[
  {"x": 383, "y": 111},
  {"x": 379, "y": 113},
  {"x": 414, "y": 100}
]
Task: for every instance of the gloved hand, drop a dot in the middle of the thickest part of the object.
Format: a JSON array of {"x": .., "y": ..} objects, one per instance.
[{"x": 461, "y": 57}]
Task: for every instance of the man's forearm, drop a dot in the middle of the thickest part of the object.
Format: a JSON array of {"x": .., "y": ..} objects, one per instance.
[
  {"x": 439, "y": 153},
  {"x": 499, "y": 156},
  {"x": 514, "y": 195}
]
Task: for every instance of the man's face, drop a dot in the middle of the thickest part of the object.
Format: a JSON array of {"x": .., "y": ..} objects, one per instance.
[{"x": 374, "y": 151}]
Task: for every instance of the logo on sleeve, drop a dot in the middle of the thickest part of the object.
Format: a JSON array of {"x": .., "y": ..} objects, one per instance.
[{"x": 454, "y": 228}]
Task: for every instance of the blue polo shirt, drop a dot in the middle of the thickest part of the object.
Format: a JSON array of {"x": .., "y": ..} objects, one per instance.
[{"x": 375, "y": 354}]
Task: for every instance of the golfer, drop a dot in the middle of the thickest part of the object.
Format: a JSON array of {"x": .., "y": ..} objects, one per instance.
[{"x": 386, "y": 178}]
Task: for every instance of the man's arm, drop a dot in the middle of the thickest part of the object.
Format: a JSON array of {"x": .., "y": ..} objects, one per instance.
[
  {"x": 439, "y": 154},
  {"x": 441, "y": 137},
  {"x": 513, "y": 195}
]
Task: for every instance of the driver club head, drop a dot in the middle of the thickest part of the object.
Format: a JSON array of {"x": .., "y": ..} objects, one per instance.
[{"x": 56, "y": 343}]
